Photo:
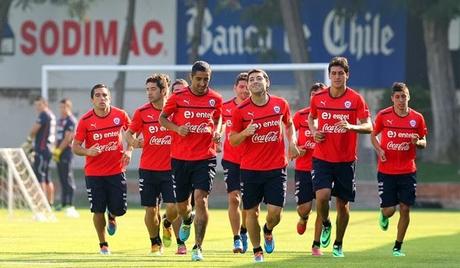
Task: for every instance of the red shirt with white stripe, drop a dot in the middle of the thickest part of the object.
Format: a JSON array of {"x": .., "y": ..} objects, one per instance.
[{"x": 395, "y": 139}]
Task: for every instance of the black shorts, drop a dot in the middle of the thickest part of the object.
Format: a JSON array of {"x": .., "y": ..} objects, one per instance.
[
  {"x": 191, "y": 175},
  {"x": 340, "y": 177},
  {"x": 41, "y": 166},
  {"x": 107, "y": 193},
  {"x": 231, "y": 176},
  {"x": 303, "y": 187},
  {"x": 155, "y": 186},
  {"x": 395, "y": 189},
  {"x": 267, "y": 186}
]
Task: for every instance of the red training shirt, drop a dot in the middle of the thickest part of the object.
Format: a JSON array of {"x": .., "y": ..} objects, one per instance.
[
  {"x": 231, "y": 153},
  {"x": 304, "y": 139}
]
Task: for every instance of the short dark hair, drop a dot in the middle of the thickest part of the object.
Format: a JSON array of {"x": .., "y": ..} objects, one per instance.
[
  {"x": 200, "y": 66},
  {"x": 66, "y": 101},
  {"x": 317, "y": 86},
  {"x": 180, "y": 81},
  {"x": 41, "y": 99},
  {"x": 241, "y": 77},
  {"x": 399, "y": 86},
  {"x": 264, "y": 74},
  {"x": 96, "y": 86},
  {"x": 339, "y": 61},
  {"x": 161, "y": 80}
]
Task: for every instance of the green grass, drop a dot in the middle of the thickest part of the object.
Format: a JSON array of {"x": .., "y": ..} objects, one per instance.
[{"x": 432, "y": 241}]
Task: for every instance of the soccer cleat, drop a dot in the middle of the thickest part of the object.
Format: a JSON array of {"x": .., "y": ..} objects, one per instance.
[
  {"x": 156, "y": 250},
  {"x": 259, "y": 256},
  {"x": 337, "y": 251},
  {"x": 326, "y": 236},
  {"x": 301, "y": 226},
  {"x": 383, "y": 221},
  {"x": 167, "y": 233},
  {"x": 316, "y": 251},
  {"x": 244, "y": 240},
  {"x": 184, "y": 231},
  {"x": 181, "y": 249},
  {"x": 269, "y": 243},
  {"x": 398, "y": 253},
  {"x": 237, "y": 246},
  {"x": 104, "y": 250},
  {"x": 71, "y": 212},
  {"x": 112, "y": 226},
  {"x": 197, "y": 255}
]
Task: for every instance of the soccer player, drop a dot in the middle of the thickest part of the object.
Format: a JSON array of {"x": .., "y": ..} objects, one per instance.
[
  {"x": 304, "y": 193},
  {"x": 178, "y": 84},
  {"x": 43, "y": 133},
  {"x": 100, "y": 129},
  {"x": 155, "y": 177},
  {"x": 231, "y": 163},
  {"x": 62, "y": 155},
  {"x": 342, "y": 113},
  {"x": 257, "y": 128},
  {"x": 401, "y": 131},
  {"x": 194, "y": 115}
]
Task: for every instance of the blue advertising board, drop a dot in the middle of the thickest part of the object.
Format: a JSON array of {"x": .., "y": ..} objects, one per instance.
[{"x": 374, "y": 40}]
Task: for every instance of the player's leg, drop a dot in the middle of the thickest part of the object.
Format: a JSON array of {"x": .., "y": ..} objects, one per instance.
[
  {"x": 316, "y": 246},
  {"x": 167, "y": 193},
  {"x": 95, "y": 188},
  {"x": 303, "y": 196},
  {"x": 49, "y": 185},
  {"x": 117, "y": 202},
  {"x": 406, "y": 192},
  {"x": 388, "y": 195}
]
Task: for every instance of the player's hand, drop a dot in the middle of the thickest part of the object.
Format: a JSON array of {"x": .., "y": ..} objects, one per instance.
[
  {"x": 415, "y": 138},
  {"x": 302, "y": 151},
  {"x": 182, "y": 131},
  {"x": 126, "y": 158},
  {"x": 318, "y": 136},
  {"x": 57, "y": 155},
  {"x": 216, "y": 138},
  {"x": 93, "y": 150},
  {"x": 138, "y": 143},
  {"x": 293, "y": 152},
  {"x": 219, "y": 147},
  {"x": 344, "y": 124},
  {"x": 250, "y": 129},
  {"x": 381, "y": 155}
]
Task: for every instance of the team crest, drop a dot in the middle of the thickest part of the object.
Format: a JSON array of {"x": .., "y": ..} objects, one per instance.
[
  {"x": 347, "y": 104},
  {"x": 116, "y": 121},
  {"x": 212, "y": 102},
  {"x": 412, "y": 123},
  {"x": 276, "y": 109}
]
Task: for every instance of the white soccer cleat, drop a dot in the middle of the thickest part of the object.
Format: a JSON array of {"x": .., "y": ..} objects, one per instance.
[{"x": 71, "y": 212}]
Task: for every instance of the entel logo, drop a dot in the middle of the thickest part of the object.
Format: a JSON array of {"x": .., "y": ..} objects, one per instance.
[
  {"x": 97, "y": 136},
  {"x": 391, "y": 134}
]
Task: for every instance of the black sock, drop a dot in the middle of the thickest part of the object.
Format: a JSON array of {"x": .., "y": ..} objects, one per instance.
[
  {"x": 196, "y": 246},
  {"x": 327, "y": 223},
  {"x": 316, "y": 244},
  {"x": 338, "y": 243},
  {"x": 266, "y": 230},
  {"x": 305, "y": 218},
  {"x": 155, "y": 240},
  {"x": 111, "y": 217},
  {"x": 166, "y": 223},
  {"x": 103, "y": 244},
  {"x": 255, "y": 250},
  {"x": 243, "y": 230},
  {"x": 236, "y": 237},
  {"x": 180, "y": 242},
  {"x": 397, "y": 245},
  {"x": 188, "y": 221}
]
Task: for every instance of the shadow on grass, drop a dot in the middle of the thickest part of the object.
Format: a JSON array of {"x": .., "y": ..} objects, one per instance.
[{"x": 435, "y": 251}]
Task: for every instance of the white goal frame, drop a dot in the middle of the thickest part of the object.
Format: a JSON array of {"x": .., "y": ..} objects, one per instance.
[{"x": 46, "y": 69}]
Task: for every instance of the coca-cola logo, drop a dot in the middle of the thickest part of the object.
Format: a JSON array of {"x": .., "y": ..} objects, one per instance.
[
  {"x": 403, "y": 146},
  {"x": 166, "y": 140},
  {"x": 111, "y": 146},
  {"x": 333, "y": 129},
  {"x": 309, "y": 145},
  {"x": 201, "y": 128},
  {"x": 271, "y": 136}
]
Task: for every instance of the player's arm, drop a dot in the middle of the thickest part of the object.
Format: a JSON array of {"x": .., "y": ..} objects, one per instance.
[
  {"x": 128, "y": 151},
  {"x": 168, "y": 124},
  {"x": 292, "y": 140},
  {"x": 78, "y": 149},
  {"x": 419, "y": 142},
  {"x": 135, "y": 142},
  {"x": 363, "y": 127},
  {"x": 318, "y": 136},
  {"x": 35, "y": 128},
  {"x": 378, "y": 149},
  {"x": 236, "y": 138},
  {"x": 219, "y": 129}
]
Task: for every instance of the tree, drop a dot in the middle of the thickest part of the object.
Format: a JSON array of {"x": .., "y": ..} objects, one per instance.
[
  {"x": 120, "y": 82},
  {"x": 4, "y": 10},
  {"x": 200, "y": 6}
]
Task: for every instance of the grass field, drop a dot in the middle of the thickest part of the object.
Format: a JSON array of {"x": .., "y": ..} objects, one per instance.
[{"x": 433, "y": 240}]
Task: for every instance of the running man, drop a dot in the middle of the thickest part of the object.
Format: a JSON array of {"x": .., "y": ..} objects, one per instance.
[
  {"x": 155, "y": 177},
  {"x": 231, "y": 163},
  {"x": 63, "y": 156},
  {"x": 342, "y": 113},
  {"x": 194, "y": 115},
  {"x": 401, "y": 131},
  {"x": 100, "y": 129},
  {"x": 43, "y": 133},
  {"x": 257, "y": 128},
  {"x": 304, "y": 193}
]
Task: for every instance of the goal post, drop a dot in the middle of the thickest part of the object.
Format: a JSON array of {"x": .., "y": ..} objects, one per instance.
[{"x": 46, "y": 69}]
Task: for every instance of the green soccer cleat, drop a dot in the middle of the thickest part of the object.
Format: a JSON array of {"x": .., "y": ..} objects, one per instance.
[
  {"x": 197, "y": 255},
  {"x": 398, "y": 253},
  {"x": 326, "y": 236},
  {"x": 337, "y": 251},
  {"x": 383, "y": 221}
]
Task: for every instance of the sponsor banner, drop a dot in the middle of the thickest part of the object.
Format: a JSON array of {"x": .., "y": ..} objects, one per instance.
[
  {"x": 373, "y": 41},
  {"x": 35, "y": 38}
]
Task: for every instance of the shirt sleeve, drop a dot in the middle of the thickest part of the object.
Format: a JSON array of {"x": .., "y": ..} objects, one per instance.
[
  {"x": 42, "y": 119},
  {"x": 171, "y": 105},
  {"x": 286, "y": 113},
  {"x": 296, "y": 121},
  {"x": 218, "y": 113},
  {"x": 422, "y": 130},
  {"x": 237, "y": 121},
  {"x": 313, "y": 108},
  {"x": 136, "y": 124},
  {"x": 362, "y": 108},
  {"x": 378, "y": 126},
  {"x": 80, "y": 133}
]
